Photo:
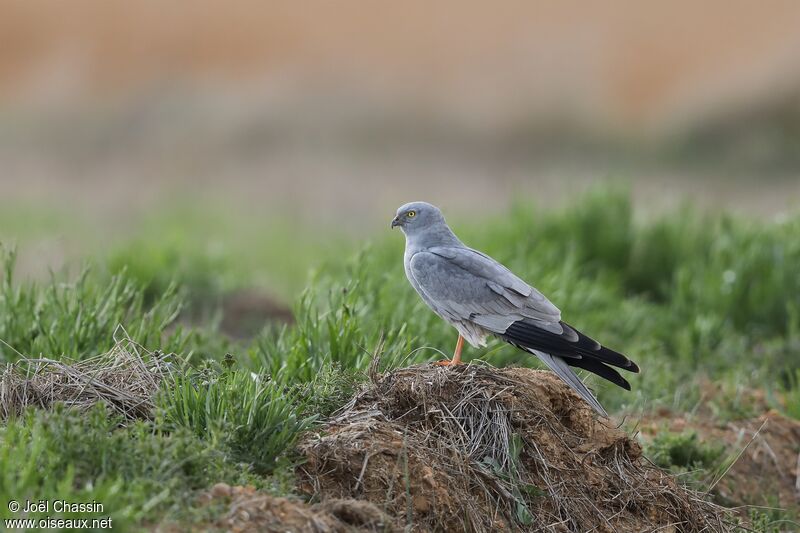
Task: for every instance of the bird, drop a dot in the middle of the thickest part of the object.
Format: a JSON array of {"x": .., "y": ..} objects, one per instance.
[{"x": 481, "y": 298}]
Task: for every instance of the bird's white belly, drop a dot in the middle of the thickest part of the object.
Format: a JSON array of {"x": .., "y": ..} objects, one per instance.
[{"x": 472, "y": 333}]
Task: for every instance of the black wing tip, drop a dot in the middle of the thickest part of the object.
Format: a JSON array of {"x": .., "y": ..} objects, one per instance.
[
  {"x": 609, "y": 356},
  {"x": 530, "y": 334},
  {"x": 602, "y": 370},
  {"x": 584, "y": 353},
  {"x": 628, "y": 365}
]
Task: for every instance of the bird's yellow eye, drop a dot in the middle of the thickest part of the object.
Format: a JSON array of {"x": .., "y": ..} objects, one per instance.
[{"x": 411, "y": 214}]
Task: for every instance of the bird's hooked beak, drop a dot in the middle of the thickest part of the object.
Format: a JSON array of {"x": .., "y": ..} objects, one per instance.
[{"x": 395, "y": 222}]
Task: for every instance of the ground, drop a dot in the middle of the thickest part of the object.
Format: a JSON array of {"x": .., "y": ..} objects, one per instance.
[{"x": 330, "y": 414}]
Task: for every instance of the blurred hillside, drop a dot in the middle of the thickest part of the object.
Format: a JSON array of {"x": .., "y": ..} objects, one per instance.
[
  {"x": 282, "y": 106},
  {"x": 631, "y": 66}
]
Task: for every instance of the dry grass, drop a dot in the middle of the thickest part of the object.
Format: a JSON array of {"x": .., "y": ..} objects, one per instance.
[
  {"x": 480, "y": 449},
  {"x": 126, "y": 379}
]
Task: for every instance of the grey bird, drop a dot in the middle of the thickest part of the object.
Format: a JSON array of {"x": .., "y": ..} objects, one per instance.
[{"x": 480, "y": 297}]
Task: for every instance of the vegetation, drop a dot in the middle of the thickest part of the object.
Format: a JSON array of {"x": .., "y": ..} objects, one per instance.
[
  {"x": 689, "y": 296},
  {"x": 136, "y": 471},
  {"x": 250, "y": 416},
  {"x": 77, "y": 318},
  {"x": 685, "y": 452}
]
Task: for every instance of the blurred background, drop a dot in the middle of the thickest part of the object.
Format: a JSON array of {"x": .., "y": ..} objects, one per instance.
[{"x": 298, "y": 116}]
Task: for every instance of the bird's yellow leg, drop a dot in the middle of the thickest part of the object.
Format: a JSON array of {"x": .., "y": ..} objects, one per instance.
[{"x": 456, "y": 355}]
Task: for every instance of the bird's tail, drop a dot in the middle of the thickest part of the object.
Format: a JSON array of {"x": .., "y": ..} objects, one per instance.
[{"x": 562, "y": 370}]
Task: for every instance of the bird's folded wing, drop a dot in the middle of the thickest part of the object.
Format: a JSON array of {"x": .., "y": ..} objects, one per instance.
[{"x": 462, "y": 284}]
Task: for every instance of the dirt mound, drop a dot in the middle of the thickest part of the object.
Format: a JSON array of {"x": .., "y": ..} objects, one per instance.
[
  {"x": 481, "y": 449},
  {"x": 249, "y": 510}
]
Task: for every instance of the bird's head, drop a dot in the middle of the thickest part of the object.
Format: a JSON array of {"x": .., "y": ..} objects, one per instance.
[{"x": 415, "y": 217}]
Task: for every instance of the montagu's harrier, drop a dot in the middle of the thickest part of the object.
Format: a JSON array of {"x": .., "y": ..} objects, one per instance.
[{"x": 481, "y": 297}]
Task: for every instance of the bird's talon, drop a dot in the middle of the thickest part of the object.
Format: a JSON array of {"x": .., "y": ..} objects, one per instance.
[{"x": 445, "y": 362}]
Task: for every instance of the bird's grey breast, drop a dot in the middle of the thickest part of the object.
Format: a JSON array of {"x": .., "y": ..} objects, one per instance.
[
  {"x": 407, "y": 266},
  {"x": 430, "y": 279},
  {"x": 407, "y": 257}
]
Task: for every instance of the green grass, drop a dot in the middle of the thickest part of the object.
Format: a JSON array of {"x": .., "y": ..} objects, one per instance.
[
  {"x": 684, "y": 453},
  {"x": 791, "y": 394},
  {"x": 253, "y": 418},
  {"x": 216, "y": 250},
  {"x": 687, "y": 295},
  {"x": 136, "y": 472},
  {"x": 690, "y": 316},
  {"x": 77, "y": 318}
]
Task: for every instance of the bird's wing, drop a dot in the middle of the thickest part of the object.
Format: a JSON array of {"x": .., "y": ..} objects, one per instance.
[
  {"x": 461, "y": 284},
  {"x": 465, "y": 285},
  {"x": 531, "y": 321}
]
